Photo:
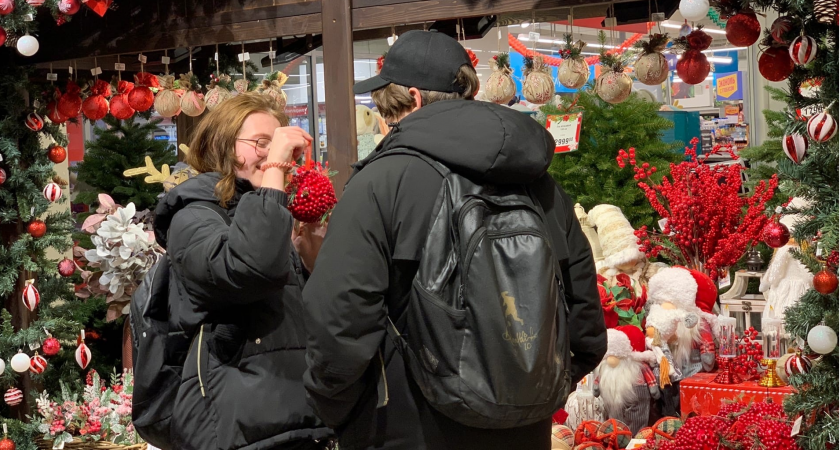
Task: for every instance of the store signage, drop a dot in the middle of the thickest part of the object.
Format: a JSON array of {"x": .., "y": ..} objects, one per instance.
[
  {"x": 565, "y": 129},
  {"x": 731, "y": 110},
  {"x": 730, "y": 86},
  {"x": 302, "y": 110}
]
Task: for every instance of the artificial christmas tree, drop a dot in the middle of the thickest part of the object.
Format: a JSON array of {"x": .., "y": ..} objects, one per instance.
[{"x": 123, "y": 145}]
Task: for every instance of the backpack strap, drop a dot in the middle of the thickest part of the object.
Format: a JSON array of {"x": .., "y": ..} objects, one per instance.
[{"x": 214, "y": 207}]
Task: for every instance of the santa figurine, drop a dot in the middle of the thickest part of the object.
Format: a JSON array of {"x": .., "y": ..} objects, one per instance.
[
  {"x": 624, "y": 380},
  {"x": 680, "y": 318}
]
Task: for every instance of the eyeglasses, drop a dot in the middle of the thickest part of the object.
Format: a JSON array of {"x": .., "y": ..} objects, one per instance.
[{"x": 261, "y": 145}]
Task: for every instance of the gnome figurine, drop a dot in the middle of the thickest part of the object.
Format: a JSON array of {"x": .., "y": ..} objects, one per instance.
[{"x": 624, "y": 380}]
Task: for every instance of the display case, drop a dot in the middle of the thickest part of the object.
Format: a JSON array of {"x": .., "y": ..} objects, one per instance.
[{"x": 745, "y": 308}]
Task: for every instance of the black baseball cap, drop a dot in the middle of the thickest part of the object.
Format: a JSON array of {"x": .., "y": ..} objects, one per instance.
[{"x": 422, "y": 59}]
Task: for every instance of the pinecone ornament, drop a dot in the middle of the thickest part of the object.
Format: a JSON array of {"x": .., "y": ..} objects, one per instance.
[
  {"x": 825, "y": 11},
  {"x": 11, "y": 39}
]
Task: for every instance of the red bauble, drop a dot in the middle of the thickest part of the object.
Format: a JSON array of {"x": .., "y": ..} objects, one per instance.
[
  {"x": 2, "y": 36},
  {"x": 775, "y": 234},
  {"x": 694, "y": 67},
  {"x": 120, "y": 107},
  {"x": 743, "y": 29},
  {"x": 37, "y": 364},
  {"x": 141, "y": 98},
  {"x": 2, "y": 176},
  {"x": 311, "y": 194},
  {"x": 37, "y": 228},
  {"x": 95, "y": 107},
  {"x": 51, "y": 346},
  {"x": 825, "y": 282},
  {"x": 69, "y": 7},
  {"x": 66, "y": 267},
  {"x": 57, "y": 154},
  {"x": 775, "y": 64},
  {"x": 54, "y": 114},
  {"x": 6, "y": 7},
  {"x": 7, "y": 444},
  {"x": 781, "y": 26},
  {"x": 70, "y": 103},
  {"x": 34, "y": 122}
]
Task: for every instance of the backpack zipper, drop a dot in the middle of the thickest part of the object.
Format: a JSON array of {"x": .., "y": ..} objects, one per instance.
[{"x": 198, "y": 360}]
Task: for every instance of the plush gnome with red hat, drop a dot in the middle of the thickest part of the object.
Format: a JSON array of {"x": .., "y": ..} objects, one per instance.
[
  {"x": 624, "y": 379},
  {"x": 680, "y": 317}
]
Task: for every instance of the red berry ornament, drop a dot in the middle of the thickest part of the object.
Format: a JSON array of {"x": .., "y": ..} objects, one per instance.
[
  {"x": 51, "y": 346},
  {"x": 825, "y": 282},
  {"x": 120, "y": 106},
  {"x": 57, "y": 154},
  {"x": 693, "y": 67},
  {"x": 311, "y": 194},
  {"x": 70, "y": 103},
  {"x": 776, "y": 234},
  {"x": 775, "y": 64},
  {"x": 743, "y": 29},
  {"x": 37, "y": 228},
  {"x": 701, "y": 433},
  {"x": 7, "y": 444},
  {"x": 141, "y": 98},
  {"x": 66, "y": 267}
]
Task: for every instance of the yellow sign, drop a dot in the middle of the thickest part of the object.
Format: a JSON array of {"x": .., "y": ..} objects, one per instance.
[
  {"x": 728, "y": 85},
  {"x": 731, "y": 110}
]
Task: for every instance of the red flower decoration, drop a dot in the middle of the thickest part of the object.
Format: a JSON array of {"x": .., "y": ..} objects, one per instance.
[
  {"x": 699, "y": 40},
  {"x": 473, "y": 58}
]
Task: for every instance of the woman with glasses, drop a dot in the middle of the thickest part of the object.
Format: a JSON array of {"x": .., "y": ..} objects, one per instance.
[{"x": 235, "y": 285}]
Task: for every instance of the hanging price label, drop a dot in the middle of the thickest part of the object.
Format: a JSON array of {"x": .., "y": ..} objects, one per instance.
[
  {"x": 216, "y": 56},
  {"x": 142, "y": 58},
  {"x": 272, "y": 54},
  {"x": 533, "y": 36},
  {"x": 70, "y": 69},
  {"x": 164, "y": 60},
  {"x": 726, "y": 281},
  {"x": 808, "y": 111},
  {"x": 794, "y": 430},
  {"x": 96, "y": 71},
  {"x": 119, "y": 66},
  {"x": 565, "y": 129},
  {"x": 28, "y": 18},
  {"x": 244, "y": 57},
  {"x": 52, "y": 77}
]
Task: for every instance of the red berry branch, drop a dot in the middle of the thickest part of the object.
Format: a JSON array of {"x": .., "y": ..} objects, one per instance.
[
  {"x": 750, "y": 353},
  {"x": 709, "y": 225}
]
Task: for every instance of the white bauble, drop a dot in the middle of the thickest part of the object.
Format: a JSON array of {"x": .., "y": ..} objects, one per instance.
[
  {"x": 822, "y": 339},
  {"x": 694, "y": 10},
  {"x": 2, "y": 366},
  {"x": 20, "y": 362},
  {"x": 27, "y": 45}
]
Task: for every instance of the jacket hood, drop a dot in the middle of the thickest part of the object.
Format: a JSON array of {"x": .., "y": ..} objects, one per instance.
[
  {"x": 198, "y": 189},
  {"x": 480, "y": 140}
]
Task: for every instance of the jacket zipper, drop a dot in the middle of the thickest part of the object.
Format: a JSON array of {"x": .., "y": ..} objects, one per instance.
[{"x": 198, "y": 360}]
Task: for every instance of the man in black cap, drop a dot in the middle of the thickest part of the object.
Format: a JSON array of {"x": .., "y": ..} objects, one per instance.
[{"x": 359, "y": 384}]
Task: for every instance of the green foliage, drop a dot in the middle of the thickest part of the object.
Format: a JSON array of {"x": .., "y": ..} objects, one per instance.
[
  {"x": 123, "y": 145},
  {"x": 591, "y": 175}
]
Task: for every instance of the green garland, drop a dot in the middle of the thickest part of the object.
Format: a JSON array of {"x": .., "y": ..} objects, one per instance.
[{"x": 715, "y": 17}]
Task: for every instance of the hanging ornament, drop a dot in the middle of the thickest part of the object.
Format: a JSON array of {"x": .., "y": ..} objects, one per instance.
[
  {"x": 694, "y": 10},
  {"x": 69, "y": 7},
  {"x": 380, "y": 62},
  {"x": 795, "y": 147},
  {"x": 31, "y": 297},
  {"x": 573, "y": 72},
  {"x": 95, "y": 107},
  {"x": 61, "y": 20},
  {"x": 825, "y": 11},
  {"x": 822, "y": 127},
  {"x": 70, "y": 103},
  {"x": 241, "y": 85},
  {"x": 66, "y": 267},
  {"x": 192, "y": 102},
  {"x": 311, "y": 194},
  {"x": 57, "y": 154},
  {"x": 2, "y": 176},
  {"x": 20, "y": 362},
  {"x": 218, "y": 92},
  {"x": 803, "y": 50},
  {"x": 6, "y": 7},
  {"x": 52, "y": 192},
  {"x": 797, "y": 364},
  {"x": 35, "y": 3},
  {"x": 500, "y": 87},
  {"x": 272, "y": 86},
  {"x": 825, "y": 282},
  {"x": 822, "y": 339},
  {"x": 2, "y": 366},
  {"x": 120, "y": 107},
  {"x": 36, "y": 228},
  {"x": 51, "y": 346},
  {"x": 781, "y": 27},
  {"x": 613, "y": 87},
  {"x": 775, "y": 234},
  {"x": 37, "y": 364},
  {"x": 13, "y": 396},
  {"x": 538, "y": 87},
  {"x": 694, "y": 67},
  {"x": 54, "y": 114},
  {"x": 743, "y": 29},
  {"x": 473, "y": 57},
  {"x": 775, "y": 64},
  {"x": 7, "y": 444},
  {"x": 27, "y": 45},
  {"x": 141, "y": 98},
  {"x": 167, "y": 101},
  {"x": 3, "y": 36},
  {"x": 34, "y": 122},
  {"x": 83, "y": 353},
  {"x": 652, "y": 67}
]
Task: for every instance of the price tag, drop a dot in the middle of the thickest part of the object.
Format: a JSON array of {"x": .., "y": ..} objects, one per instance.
[
  {"x": 819, "y": 249},
  {"x": 52, "y": 77},
  {"x": 142, "y": 58},
  {"x": 164, "y": 60},
  {"x": 808, "y": 111},
  {"x": 272, "y": 54},
  {"x": 96, "y": 71},
  {"x": 70, "y": 69},
  {"x": 244, "y": 57},
  {"x": 794, "y": 430},
  {"x": 533, "y": 36},
  {"x": 662, "y": 223},
  {"x": 657, "y": 17},
  {"x": 28, "y": 17},
  {"x": 119, "y": 66},
  {"x": 726, "y": 281},
  {"x": 36, "y": 104},
  {"x": 636, "y": 443},
  {"x": 34, "y": 346},
  {"x": 216, "y": 56},
  {"x": 565, "y": 129}
]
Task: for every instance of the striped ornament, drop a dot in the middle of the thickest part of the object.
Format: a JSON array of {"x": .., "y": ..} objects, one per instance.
[
  {"x": 35, "y": 3},
  {"x": 797, "y": 364},
  {"x": 13, "y": 397},
  {"x": 822, "y": 127},
  {"x": 52, "y": 192},
  {"x": 34, "y": 122},
  {"x": 31, "y": 296},
  {"x": 83, "y": 355},
  {"x": 37, "y": 364},
  {"x": 795, "y": 146},
  {"x": 803, "y": 50}
]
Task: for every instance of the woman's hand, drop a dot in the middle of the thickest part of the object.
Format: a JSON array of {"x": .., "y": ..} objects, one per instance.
[
  {"x": 288, "y": 144},
  {"x": 307, "y": 239}
]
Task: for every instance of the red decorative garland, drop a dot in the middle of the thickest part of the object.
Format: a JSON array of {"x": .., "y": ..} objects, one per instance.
[{"x": 522, "y": 49}]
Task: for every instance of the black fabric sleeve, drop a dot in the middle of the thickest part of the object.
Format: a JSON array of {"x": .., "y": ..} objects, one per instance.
[{"x": 240, "y": 264}]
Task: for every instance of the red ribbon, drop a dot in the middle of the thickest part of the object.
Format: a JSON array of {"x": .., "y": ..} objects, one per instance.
[
  {"x": 124, "y": 87},
  {"x": 146, "y": 79},
  {"x": 522, "y": 49},
  {"x": 101, "y": 87}
]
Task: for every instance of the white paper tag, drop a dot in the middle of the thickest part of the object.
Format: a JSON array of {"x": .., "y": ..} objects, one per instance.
[
  {"x": 657, "y": 17},
  {"x": 533, "y": 36},
  {"x": 70, "y": 69},
  {"x": 164, "y": 60},
  {"x": 800, "y": 342},
  {"x": 58, "y": 446},
  {"x": 797, "y": 425},
  {"x": 272, "y": 54},
  {"x": 819, "y": 251},
  {"x": 142, "y": 58},
  {"x": 662, "y": 223},
  {"x": 96, "y": 71},
  {"x": 34, "y": 346},
  {"x": 636, "y": 443},
  {"x": 244, "y": 57},
  {"x": 28, "y": 18},
  {"x": 5, "y": 428},
  {"x": 52, "y": 76},
  {"x": 726, "y": 281},
  {"x": 216, "y": 57},
  {"x": 1, "y": 157},
  {"x": 119, "y": 66},
  {"x": 32, "y": 211}
]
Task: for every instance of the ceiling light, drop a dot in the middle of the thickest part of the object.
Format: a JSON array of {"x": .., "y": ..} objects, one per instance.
[
  {"x": 600, "y": 46},
  {"x": 720, "y": 59},
  {"x": 526, "y": 24},
  {"x": 730, "y": 49},
  {"x": 706, "y": 29}
]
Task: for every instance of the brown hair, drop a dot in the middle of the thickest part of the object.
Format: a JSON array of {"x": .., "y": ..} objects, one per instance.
[
  {"x": 213, "y": 143},
  {"x": 394, "y": 101}
]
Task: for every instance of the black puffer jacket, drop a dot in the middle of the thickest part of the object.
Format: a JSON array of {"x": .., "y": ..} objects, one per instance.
[
  {"x": 238, "y": 292},
  {"x": 370, "y": 257}
]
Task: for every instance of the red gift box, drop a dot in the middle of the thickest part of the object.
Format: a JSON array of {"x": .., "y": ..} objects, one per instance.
[{"x": 701, "y": 395}]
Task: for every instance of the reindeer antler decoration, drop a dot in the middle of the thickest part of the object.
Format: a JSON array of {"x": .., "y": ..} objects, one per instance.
[{"x": 155, "y": 176}]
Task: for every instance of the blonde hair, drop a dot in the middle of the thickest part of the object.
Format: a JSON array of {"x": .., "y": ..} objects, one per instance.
[
  {"x": 394, "y": 101},
  {"x": 213, "y": 143}
]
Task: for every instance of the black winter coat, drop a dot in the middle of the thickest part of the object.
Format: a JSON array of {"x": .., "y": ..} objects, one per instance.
[
  {"x": 370, "y": 257},
  {"x": 237, "y": 290}
]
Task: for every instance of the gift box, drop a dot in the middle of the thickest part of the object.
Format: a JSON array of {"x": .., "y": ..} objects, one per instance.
[{"x": 699, "y": 394}]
